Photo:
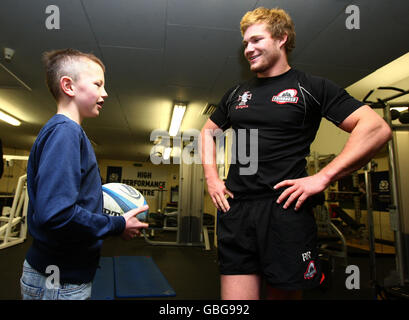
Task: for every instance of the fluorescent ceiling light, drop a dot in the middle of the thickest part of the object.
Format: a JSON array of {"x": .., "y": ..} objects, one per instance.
[
  {"x": 9, "y": 157},
  {"x": 177, "y": 116},
  {"x": 9, "y": 119}
]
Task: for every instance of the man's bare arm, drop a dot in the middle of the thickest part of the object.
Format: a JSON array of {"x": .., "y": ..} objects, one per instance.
[{"x": 368, "y": 133}]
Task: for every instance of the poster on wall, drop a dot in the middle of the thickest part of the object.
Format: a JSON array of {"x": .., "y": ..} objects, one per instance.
[{"x": 114, "y": 174}]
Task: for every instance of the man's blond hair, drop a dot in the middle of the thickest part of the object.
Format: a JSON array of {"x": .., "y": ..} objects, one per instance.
[{"x": 278, "y": 24}]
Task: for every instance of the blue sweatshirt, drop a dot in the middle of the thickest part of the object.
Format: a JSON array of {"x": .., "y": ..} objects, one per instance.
[{"x": 65, "y": 215}]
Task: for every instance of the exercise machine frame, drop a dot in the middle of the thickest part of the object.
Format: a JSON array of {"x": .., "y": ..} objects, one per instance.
[
  {"x": 395, "y": 209},
  {"x": 9, "y": 236},
  {"x": 190, "y": 230}
]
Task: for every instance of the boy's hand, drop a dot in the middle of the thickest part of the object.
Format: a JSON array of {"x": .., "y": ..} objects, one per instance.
[{"x": 133, "y": 225}]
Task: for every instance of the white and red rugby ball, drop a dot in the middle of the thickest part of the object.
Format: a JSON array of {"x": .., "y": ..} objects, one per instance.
[{"x": 120, "y": 198}]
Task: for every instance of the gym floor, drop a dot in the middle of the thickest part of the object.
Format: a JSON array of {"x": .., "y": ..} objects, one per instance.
[{"x": 193, "y": 273}]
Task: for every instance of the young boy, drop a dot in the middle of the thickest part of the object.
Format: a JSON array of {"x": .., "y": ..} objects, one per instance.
[{"x": 65, "y": 215}]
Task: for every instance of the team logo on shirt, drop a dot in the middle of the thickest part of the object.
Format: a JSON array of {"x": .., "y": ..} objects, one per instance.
[
  {"x": 286, "y": 96},
  {"x": 311, "y": 271},
  {"x": 246, "y": 96}
]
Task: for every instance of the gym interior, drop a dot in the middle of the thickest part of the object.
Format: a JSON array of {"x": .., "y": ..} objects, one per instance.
[{"x": 168, "y": 53}]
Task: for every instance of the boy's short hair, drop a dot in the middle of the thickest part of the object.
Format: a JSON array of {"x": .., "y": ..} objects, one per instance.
[
  {"x": 278, "y": 23},
  {"x": 59, "y": 63}
]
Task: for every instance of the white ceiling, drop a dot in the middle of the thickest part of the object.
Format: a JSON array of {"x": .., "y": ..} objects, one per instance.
[
  {"x": 394, "y": 74},
  {"x": 159, "y": 51}
]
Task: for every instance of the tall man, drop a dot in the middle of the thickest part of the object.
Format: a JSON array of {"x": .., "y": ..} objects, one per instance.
[{"x": 267, "y": 228}]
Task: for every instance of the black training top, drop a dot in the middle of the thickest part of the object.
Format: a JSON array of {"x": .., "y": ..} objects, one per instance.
[{"x": 286, "y": 110}]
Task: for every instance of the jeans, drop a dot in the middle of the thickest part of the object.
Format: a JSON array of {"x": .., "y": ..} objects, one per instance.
[{"x": 34, "y": 287}]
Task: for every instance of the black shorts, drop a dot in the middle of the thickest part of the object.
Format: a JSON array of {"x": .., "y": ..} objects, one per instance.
[{"x": 260, "y": 237}]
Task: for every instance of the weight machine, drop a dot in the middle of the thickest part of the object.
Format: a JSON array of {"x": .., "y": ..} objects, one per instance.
[
  {"x": 398, "y": 169},
  {"x": 13, "y": 223},
  {"x": 327, "y": 230},
  {"x": 190, "y": 230}
]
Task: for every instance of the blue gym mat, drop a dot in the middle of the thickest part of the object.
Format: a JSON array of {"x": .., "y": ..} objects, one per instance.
[
  {"x": 103, "y": 287},
  {"x": 140, "y": 277},
  {"x": 129, "y": 277}
]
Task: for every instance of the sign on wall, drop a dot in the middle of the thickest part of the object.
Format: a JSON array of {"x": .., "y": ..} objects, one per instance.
[{"x": 146, "y": 181}]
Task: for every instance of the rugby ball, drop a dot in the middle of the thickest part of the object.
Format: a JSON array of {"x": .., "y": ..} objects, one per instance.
[{"x": 120, "y": 198}]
